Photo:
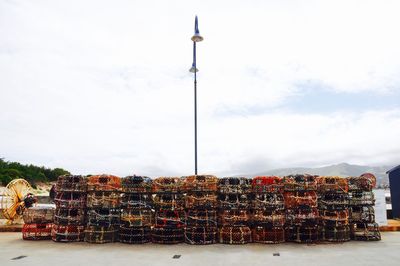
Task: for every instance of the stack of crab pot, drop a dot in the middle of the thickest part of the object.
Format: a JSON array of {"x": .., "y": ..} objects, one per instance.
[
  {"x": 333, "y": 202},
  {"x": 169, "y": 206},
  {"x": 137, "y": 214},
  {"x": 268, "y": 210},
  {"x": 38, "y": 221},
  {"x": 103, "y": 209},
  {"x": 201, "y": 209},
  {"x": 234, "y": 205},
  {"x": 301, "y": 208},
  {"x": 69, "y": 217},
  {"x": 362, "y": 215}
]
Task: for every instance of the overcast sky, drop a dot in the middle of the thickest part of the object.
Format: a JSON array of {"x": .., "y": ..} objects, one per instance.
[{"x": 103, "y": 86}]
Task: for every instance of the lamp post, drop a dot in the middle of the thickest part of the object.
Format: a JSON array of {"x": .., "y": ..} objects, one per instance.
[{"x": 196, "y": 38}]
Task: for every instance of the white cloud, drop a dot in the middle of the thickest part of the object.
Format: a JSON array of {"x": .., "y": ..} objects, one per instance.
[{"x": 95, "y": 86}]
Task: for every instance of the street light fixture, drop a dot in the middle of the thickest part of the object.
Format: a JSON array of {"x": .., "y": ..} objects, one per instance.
[{"x": 196, "y": 38}]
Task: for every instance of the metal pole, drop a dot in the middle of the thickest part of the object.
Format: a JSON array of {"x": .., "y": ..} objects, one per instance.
[{"x": 195, "y": 111}]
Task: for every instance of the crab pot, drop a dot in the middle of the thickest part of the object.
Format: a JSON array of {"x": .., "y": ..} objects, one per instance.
[
  {"x": 235, "y": 234},
  {"x": 201, "y": 200},
  {"x": 201, "y": 235},
  {"x": 103, "y": 217},
  {"x": 137, "y": 217},
  {"x": 134, "y": 234},
  {"x": 101, "y": 234},
  {"x": 335, "y": 233},
  {"x": 362, "y": 214},
  {"x": 71, "y": 183},
  {"x": 167, "y": 235},
  {"x": 136, "y": 201},
  {"x": 334, "y": 218},
  {"x": 234, "y": 201},
  {"x": 234, "y": 217},
  {"x": 268, "y": 235},
  {"x": 67, "y": 233},
  {"x": 362, "y": 198},
  {"x": 38, "y": 215},
  {"x": 302, "y": 234},
  {"x": 169, "y": 201},
  {"x": 170, "y": 218},
  {"x": 294, "y": 199},
  {"x": 201, "y": 183},
  {"x": 70, "y": 200},
  {"x": 268, "y": 200},
  {"x": 333, "y": 201},
  {"x": 167, "y": 184},
  {"x": 136, "y": 184},
  {"x": 201, "y": 218},
  {"x": 332, "y": 184},
  {"x": 270, "y": 218},
  {"x": 36, "y": 231},
  {"x": 69, "y": 216},
  {"x": 267, "y": 184},
  {"x": 300, "y": 183},
  {"x": 365, "y": 232},
  {"x": 234, "y": 185}
]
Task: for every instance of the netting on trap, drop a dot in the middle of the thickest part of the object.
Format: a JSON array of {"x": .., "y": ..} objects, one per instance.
[
  {"x": 302, "y": 234},
  {"x": 67, "y": 233},
  {"x": 233, "y": 217},
  {"x": 333, "y": 201},
  {"x": 233, "y": 185},
  {"x": 235, "y": 234},
  {"x": 234, "y": 201},
  {"x": 268, "y": 200},
  {"x": 167, "y": 235},
  {"x": 268, "y": 235},
  {"x": 305, "y": 216},
  {"x": 103, "y": 183},
  {"x": 136, "y": 184},
  {"x": 136, "y": 201},
  {"x": 170, "y": 218},
  {"x": 71, "y": 183},
  {"x": 201, "y": 183},
  {"x": 365, "y": 232},
  {"x": 334, "y": 218},
  {"x": 362, "y": 214},
  {"x": 201, "y": 235},
  {"x": 168, "y": 184},
  {"x": 69, "y": 216},
  {"x": 270, "y": 218},
  {"x": 101, "y": 234},
  {"x": 362, "y": 198},
  {"x": 169, "y": 201},
  {"x": 103, "y": 217},
  {"x": 300, "y": 183},
  {"x": 334, "y": 233},
  {"x": 365, "y": 182},
  {"x": 137, "y": 217},
  {"x": 201, "y": 218},
  {"x": 294, "y": 199},
  {"x": 103, "y": 199},
  {"x": 70, "y": 199},
  {"x": 201, "y": 200},
  {"x": 36, "y": 231},
  {"x": 134, "y": 234},
  {"x": 38, "y": 215},
  {"x": 265, "y": 184},
  {"x": 333, "y": 184}
]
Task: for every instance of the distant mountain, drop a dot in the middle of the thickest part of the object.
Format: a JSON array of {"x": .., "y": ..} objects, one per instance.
[{"x": 343, "y": 169}]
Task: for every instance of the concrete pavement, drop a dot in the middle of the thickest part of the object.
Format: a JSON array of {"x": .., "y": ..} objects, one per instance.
[{"x": 385, "y": 252}]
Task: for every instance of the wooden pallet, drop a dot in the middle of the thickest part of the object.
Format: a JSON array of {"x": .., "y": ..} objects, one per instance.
[{"x": 393, "y": 225}]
